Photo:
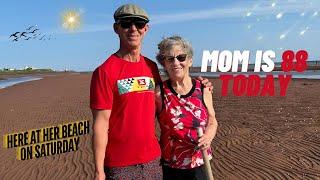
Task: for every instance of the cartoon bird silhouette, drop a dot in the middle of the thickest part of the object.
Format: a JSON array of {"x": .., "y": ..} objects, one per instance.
[
  {"x": 29, "y": 28},
  {"x": 34, "y": 31},
  {"x": 23, "y": 34},
  {"x": 42, "y": 38},
  {"x": 50, "y": 37},
  {"x": 14, "y": 34}
]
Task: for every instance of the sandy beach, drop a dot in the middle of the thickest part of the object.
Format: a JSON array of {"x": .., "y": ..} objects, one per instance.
[{"x": 258, "y": 137}]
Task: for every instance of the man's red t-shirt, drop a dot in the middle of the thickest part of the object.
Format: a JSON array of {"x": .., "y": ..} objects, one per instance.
[{"x": 127, "y": 89}]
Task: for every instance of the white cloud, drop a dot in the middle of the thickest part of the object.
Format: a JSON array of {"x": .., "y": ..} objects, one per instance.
[
  {"x": 85, "y": 28},
  {"x": 279, "y": 15},
  {"x": 243, "y": 10},
  {"x": 282, "y": 36},
  {"x": 95, "y": 28},
  {"x": 239, "y": 11},
  {"x": 82, "y": 10},
  {"x": 302, "y": 32}
]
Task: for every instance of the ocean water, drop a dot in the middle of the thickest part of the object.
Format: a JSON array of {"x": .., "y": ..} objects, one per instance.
[
  {"x": 12, "y": 81},
  {"x": 295, "y": 75},
  {"x": 305, "y": 75}
]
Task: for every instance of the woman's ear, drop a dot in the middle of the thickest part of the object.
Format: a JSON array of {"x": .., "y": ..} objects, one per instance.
[{"x": 190, "y": 62}]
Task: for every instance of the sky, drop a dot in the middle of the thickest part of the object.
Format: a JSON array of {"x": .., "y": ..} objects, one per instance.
[{"x": 275, "y": 25}]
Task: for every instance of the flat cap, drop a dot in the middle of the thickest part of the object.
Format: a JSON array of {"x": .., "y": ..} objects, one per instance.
[{"x": 130, "y": 11}]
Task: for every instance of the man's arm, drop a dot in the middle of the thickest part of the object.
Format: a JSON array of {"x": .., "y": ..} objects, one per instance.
[{"x": 100, "y": 140}]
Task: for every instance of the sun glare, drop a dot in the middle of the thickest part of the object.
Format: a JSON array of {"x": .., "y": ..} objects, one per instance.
[{"x": 71, "y": 20}]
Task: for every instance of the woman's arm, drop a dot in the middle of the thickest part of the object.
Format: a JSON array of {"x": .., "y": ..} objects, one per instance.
[
  {"x": 212, "y": 125},
  {"x": 158, "y": 99}
]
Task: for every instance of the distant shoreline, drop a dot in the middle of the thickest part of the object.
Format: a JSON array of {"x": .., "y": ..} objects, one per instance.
[{"x": 6, "y": 75}]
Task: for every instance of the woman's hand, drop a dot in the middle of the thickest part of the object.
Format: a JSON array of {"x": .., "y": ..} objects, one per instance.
[{"x": 205, "y": 141}]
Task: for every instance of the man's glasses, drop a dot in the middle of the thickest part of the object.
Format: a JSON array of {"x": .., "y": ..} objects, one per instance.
[
  {"x": 180, "y": 58},
  {"x": 128, "y": 24}
]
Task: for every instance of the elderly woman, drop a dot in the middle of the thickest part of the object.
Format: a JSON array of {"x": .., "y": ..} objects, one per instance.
[{"x": 183, "y": 105}]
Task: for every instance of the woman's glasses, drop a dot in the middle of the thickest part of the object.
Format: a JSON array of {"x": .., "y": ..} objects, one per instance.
[
  {"x": 127, "y": 24},
  {"x": 180, "y": 58}
]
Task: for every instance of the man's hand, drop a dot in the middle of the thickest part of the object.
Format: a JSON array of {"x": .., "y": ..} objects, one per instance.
[
  {"x": 206, "y": 83},
  {"x": 100, "y": 176}
]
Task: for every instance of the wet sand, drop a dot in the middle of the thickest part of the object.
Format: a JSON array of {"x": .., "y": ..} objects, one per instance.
[{"x": 258, "y": 137}]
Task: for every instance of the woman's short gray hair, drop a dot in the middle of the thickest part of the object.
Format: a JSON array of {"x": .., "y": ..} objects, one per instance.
[{"x": 167, "y": 43}]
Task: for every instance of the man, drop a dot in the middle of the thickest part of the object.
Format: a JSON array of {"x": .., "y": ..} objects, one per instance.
[{"x": 123, "y": 105}]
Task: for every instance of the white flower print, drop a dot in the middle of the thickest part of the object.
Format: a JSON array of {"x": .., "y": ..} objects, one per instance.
[
  {"x": 186, "y": 161},
  {"x": 174, "y": 158},
  {"x": 196, "y": 162},
  {"x": 197, "y": 113},
  {"x": 182, "y": 101},
  {"x": 187, "y": 108},
  {"x": 176, "y": 111},
  {"x": 192, "y": 106},
  {"x": 175, "y": 120},
  {"x": 178, "y": 126},
  {"x": 199, "y": 161}
]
